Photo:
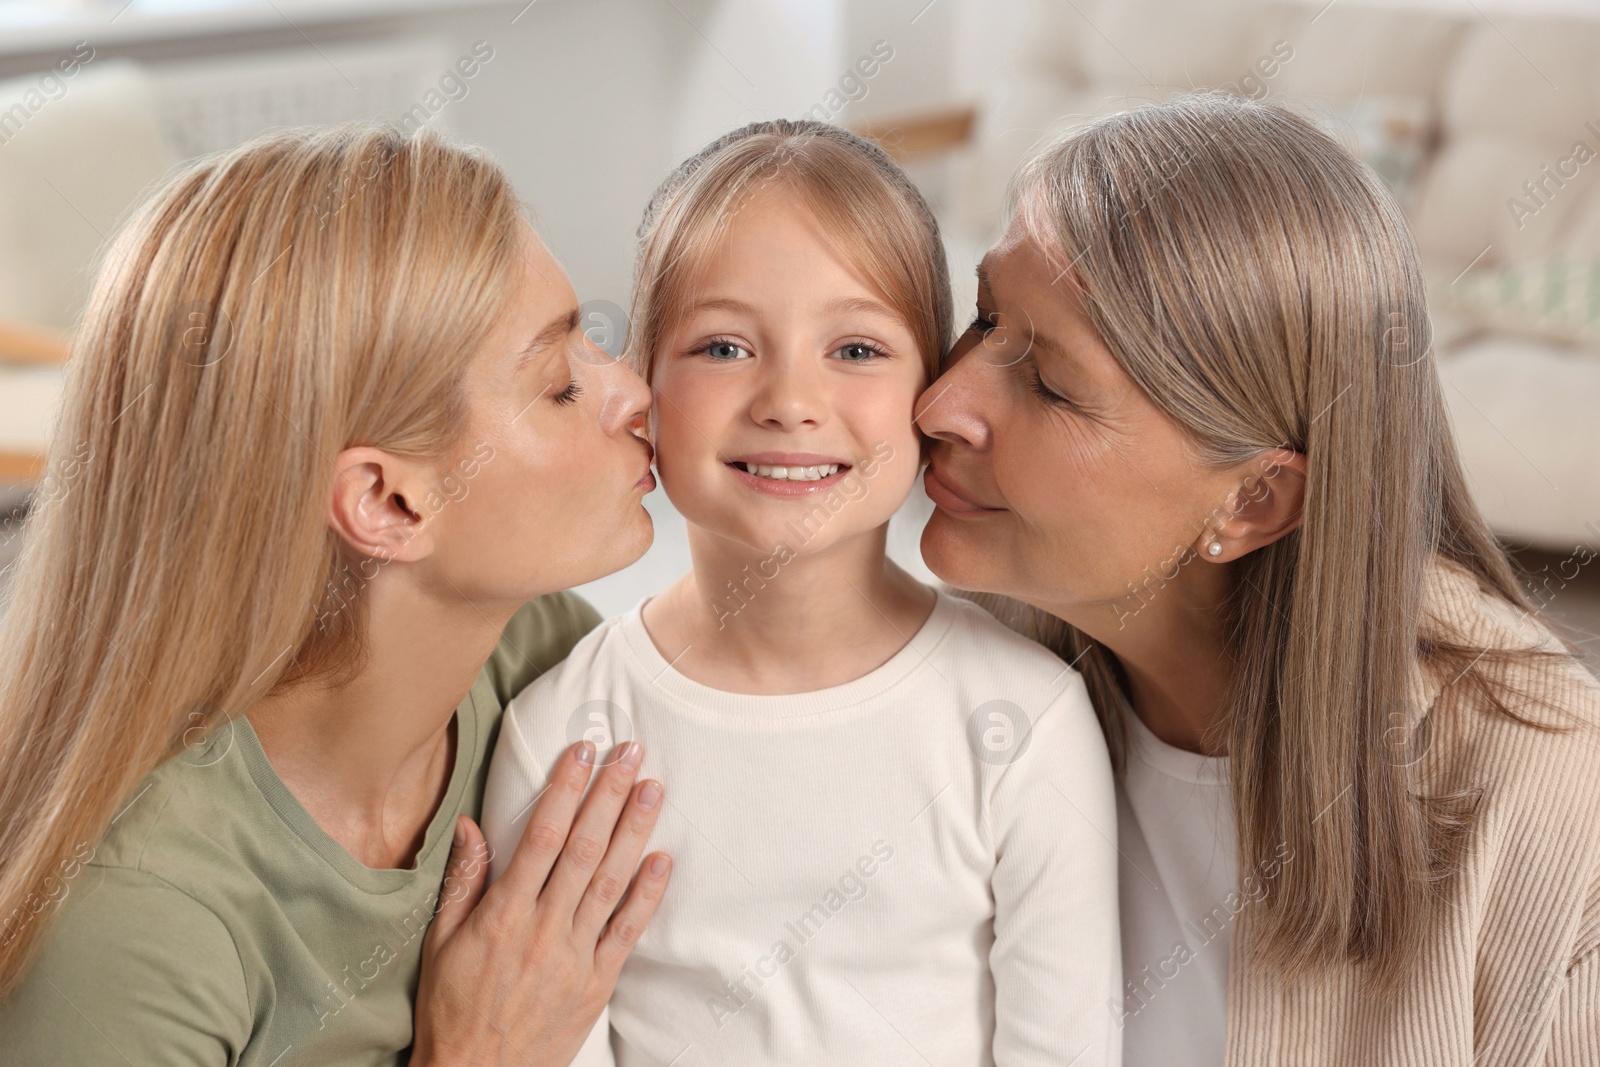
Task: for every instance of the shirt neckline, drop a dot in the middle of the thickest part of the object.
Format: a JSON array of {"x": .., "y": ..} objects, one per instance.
[
  {"x": 1174, "y": 762},
  {"x": 375, "y": 880},
  {"x": 759, "y": 707}
]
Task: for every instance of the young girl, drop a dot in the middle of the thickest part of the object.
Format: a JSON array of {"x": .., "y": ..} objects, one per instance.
[{"x": 892, "y": 819}]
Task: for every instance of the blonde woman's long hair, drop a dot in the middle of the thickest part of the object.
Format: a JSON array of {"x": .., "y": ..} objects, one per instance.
[
  {"x": 269, "y": 306},
  {"x": 1261, "y": 287}
]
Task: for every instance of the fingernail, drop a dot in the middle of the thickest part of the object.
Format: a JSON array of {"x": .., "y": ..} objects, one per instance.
[
  {"x": 586, "y": 753},
  {"x": 632, "y": 753},
  {"x": 461, "y": 833},
  {"x": 659, "y": 865},
  {"x": 649, "y": 795}
]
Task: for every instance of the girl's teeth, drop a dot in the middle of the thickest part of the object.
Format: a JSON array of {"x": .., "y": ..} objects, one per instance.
[{"x": 792, "y": 474}]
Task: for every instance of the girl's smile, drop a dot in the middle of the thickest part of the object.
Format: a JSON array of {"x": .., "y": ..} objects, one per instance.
[{"x": 788, "y": 473}]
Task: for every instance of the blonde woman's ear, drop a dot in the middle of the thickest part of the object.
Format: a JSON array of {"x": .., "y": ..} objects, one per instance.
[{"x": 383, "y": 505}]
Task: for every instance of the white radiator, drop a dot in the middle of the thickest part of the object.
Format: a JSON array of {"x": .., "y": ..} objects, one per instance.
[{"x": 205, "y": 105}]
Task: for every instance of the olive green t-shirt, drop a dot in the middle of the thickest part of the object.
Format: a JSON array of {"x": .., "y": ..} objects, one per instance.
[{"x": 217, "y": 923}]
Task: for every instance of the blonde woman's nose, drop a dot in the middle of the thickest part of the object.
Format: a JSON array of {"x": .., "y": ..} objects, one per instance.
[{"x": 627, "y": 398}]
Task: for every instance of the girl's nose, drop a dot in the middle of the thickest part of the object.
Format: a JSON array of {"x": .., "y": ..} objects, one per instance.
[{"x": 789, "y": 394}]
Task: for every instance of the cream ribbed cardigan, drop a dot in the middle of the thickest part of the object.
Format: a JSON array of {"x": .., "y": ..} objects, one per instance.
[{"x": 1512, "y": 971}]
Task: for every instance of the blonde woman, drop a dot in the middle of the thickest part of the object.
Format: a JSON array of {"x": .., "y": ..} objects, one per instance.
[
  {"x": 341, "y": 439},
  {"x": 1195, "y": 443}
]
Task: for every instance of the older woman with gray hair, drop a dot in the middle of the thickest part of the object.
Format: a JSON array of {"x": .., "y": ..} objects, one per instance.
[{"x": 1194, "y": 441}]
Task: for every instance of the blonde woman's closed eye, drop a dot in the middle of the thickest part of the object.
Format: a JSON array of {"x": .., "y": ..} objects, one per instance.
[{"x": 569, "y": 395}]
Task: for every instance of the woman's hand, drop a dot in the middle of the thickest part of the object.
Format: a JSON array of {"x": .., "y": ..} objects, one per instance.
[{"x": 519, "y": 973}]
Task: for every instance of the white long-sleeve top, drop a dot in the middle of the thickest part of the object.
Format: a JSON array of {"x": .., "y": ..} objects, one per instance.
[
  {"x": 915, "y": 867},
  {"x": 1179, "y": 901}
]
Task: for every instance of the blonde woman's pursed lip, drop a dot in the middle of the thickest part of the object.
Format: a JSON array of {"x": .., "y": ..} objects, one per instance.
[
  {"x": 947, "y": 496},
  {"x": 647, "y": 480}
]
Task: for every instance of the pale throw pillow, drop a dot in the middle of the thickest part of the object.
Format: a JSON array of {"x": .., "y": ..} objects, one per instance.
[{"x": 1558, "y": 301}]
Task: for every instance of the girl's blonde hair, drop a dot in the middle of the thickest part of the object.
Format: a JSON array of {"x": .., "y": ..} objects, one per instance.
[
  {"x": 862, "y": 199},
  {"x": 268, "y": 307},
  {"x": 1261, "y": 287}
]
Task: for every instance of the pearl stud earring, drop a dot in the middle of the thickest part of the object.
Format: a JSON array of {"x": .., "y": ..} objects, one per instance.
[{"x": 1215, "y": 548}]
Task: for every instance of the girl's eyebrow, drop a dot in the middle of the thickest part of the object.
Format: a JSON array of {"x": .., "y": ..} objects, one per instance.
[
  {"x": 723, "y": 303},
  {"x": 862, "y": 305},
  {"x": 857, "y": 304}
]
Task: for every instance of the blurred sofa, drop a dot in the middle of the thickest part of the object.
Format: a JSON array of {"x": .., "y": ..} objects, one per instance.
[
  {"x": 1467, "y": 116},
  {"x": 76, "y": 153}
]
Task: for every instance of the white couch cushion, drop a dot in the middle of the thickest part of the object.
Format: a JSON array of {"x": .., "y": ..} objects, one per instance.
[
  {"x": 61, "y": 196},
  {"x": 1465, "y": 203},
  {"x": 71, "y": 169},
  {"x": 1524, "y": 418},
  {"x": 28, "y": 400},
  {"x": 1522, "y": 94},
  {"x": 1353, "y": 50},
  {"x": 1536, "y": 76}
]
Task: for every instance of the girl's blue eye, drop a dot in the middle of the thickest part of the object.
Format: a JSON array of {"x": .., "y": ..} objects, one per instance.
[
  {"x": 858, "y": 352},
  {"x": 726, "y": 351}
]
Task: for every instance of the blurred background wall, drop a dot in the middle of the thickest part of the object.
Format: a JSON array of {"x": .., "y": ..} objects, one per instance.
[{"x": 1483, "y": 115}]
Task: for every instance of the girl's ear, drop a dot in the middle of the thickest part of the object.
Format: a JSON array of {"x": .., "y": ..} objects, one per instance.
[
  {"x": 1267, "y": 505},
  {"x": 380, "y": 504}
]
